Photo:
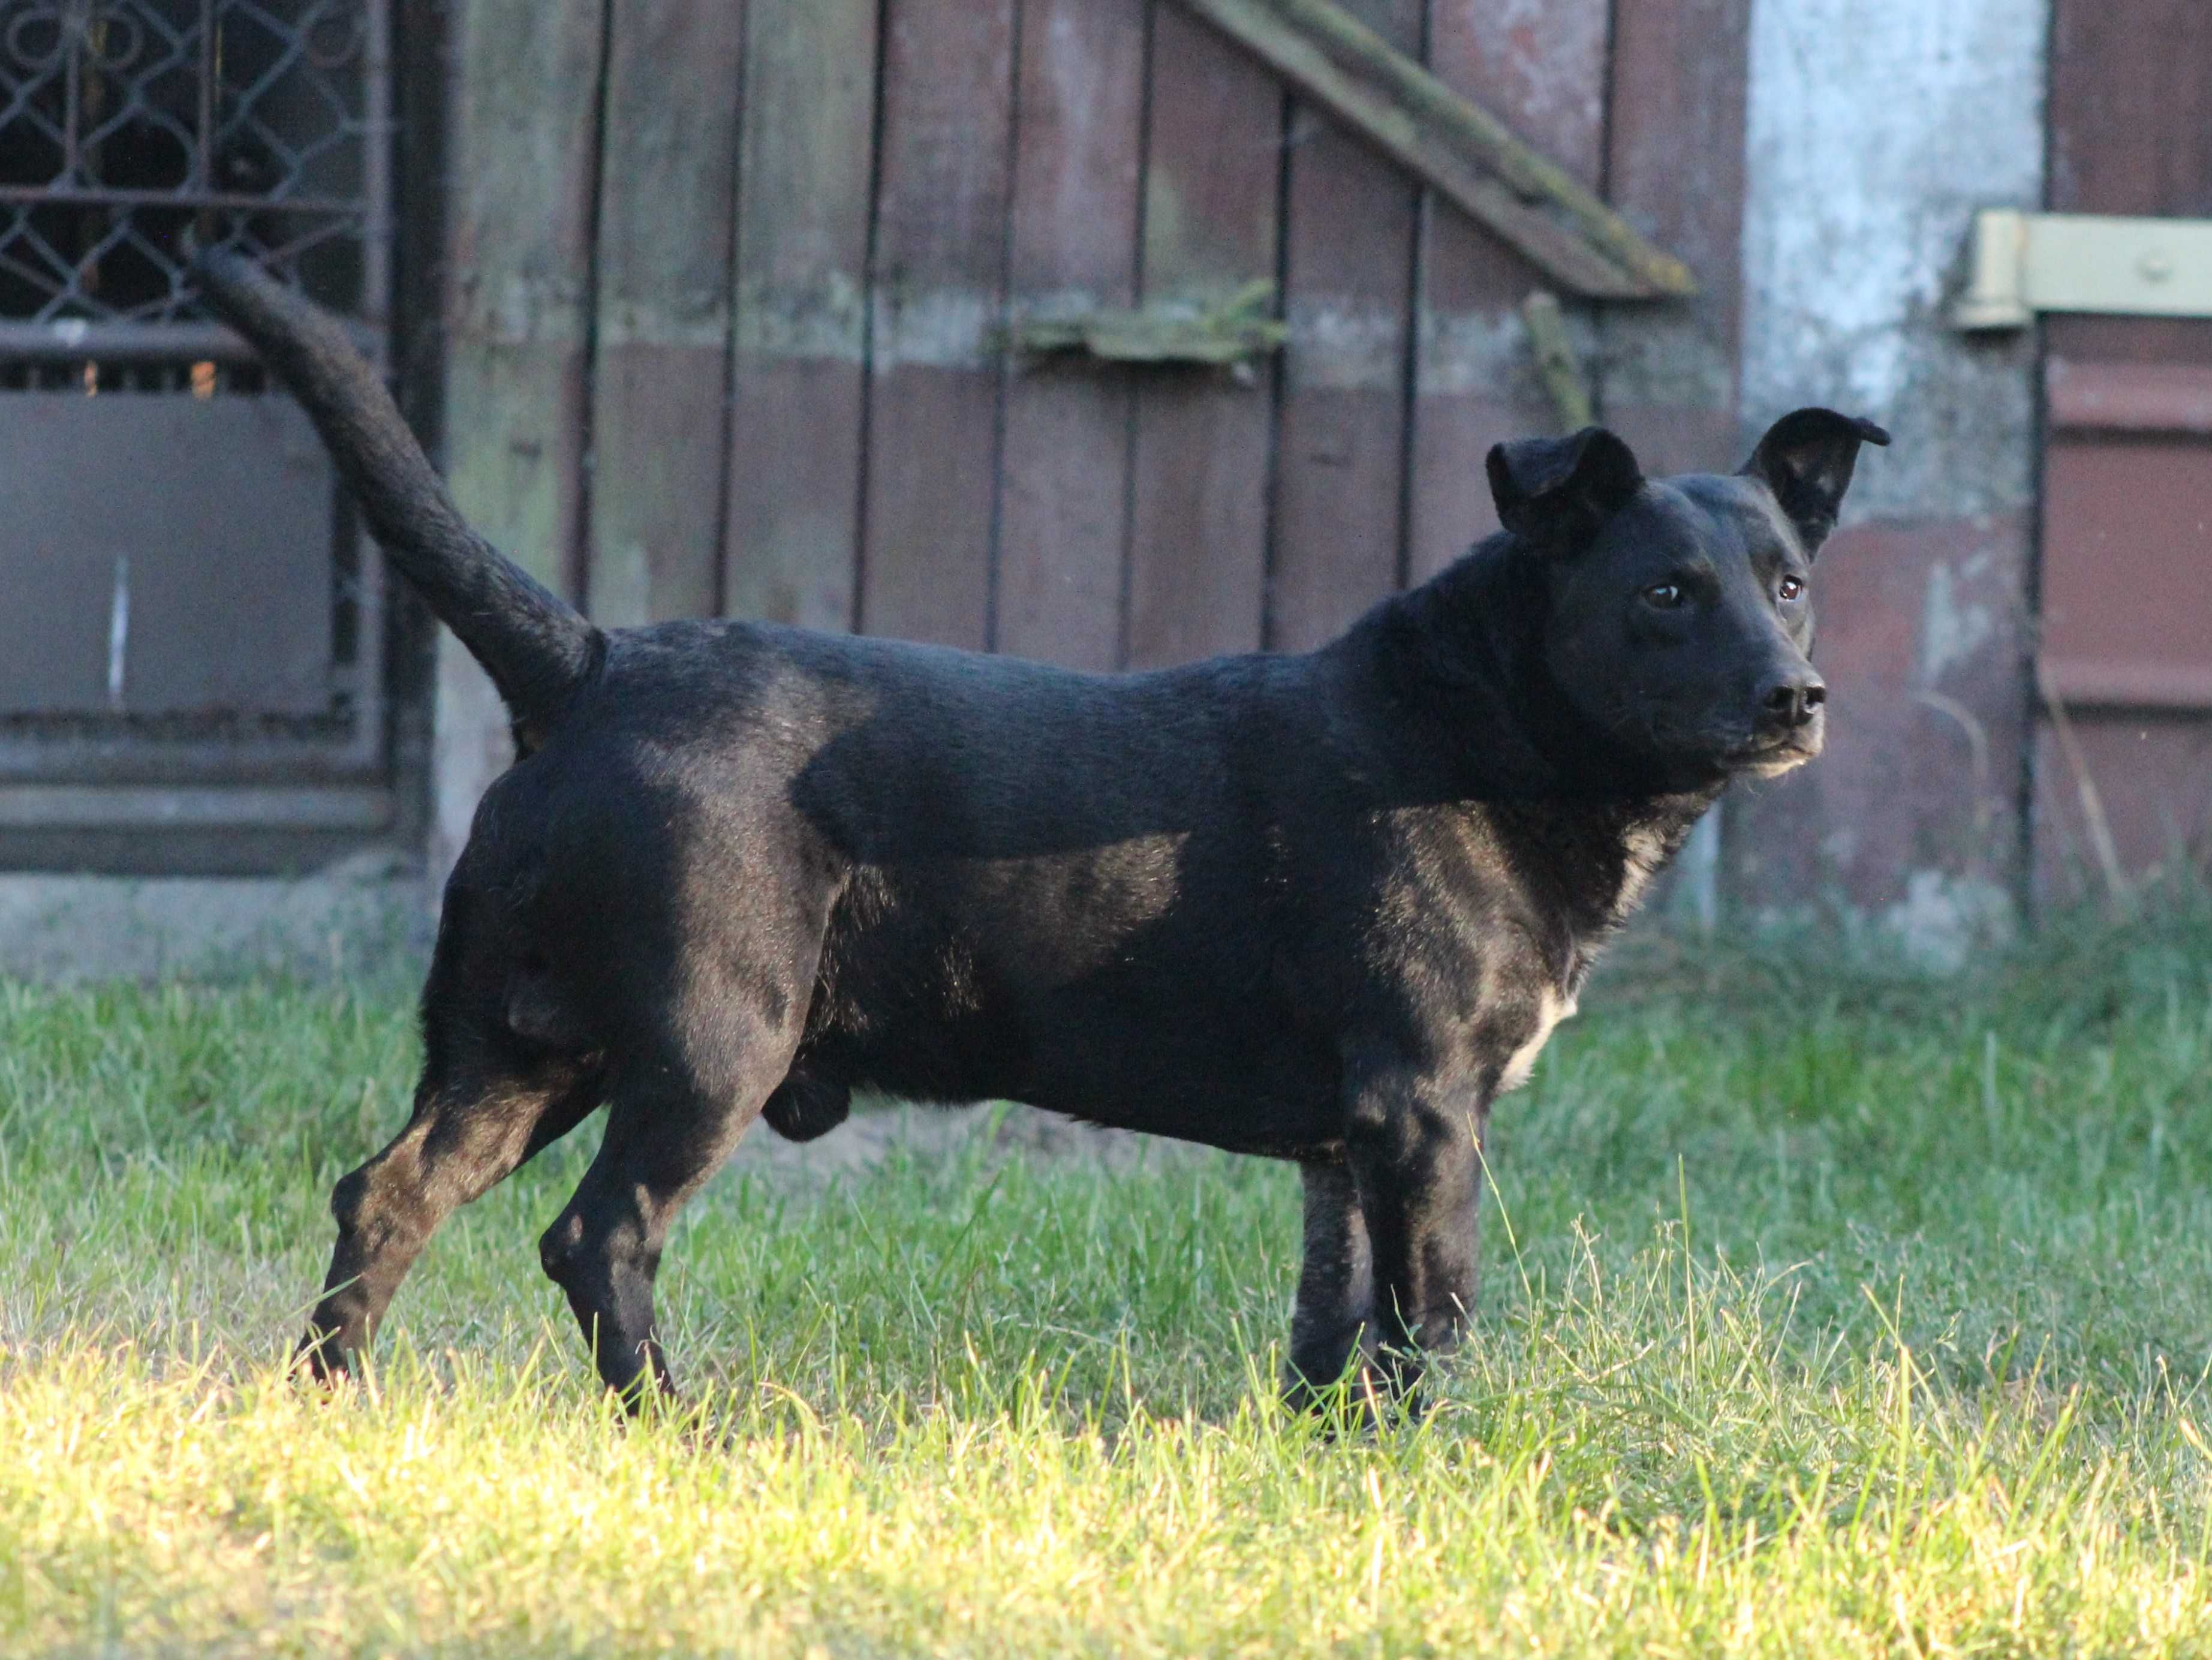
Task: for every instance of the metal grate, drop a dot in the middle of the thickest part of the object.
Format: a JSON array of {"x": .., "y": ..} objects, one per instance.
[
  {"x": 190, "y": 622},
  {"x": 125, "y": 124}
]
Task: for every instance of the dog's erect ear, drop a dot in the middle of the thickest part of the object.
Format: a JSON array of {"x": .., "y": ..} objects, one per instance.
[
  {"x": 1556, "y": 492},
  {"x": 1806, "y": 459}
]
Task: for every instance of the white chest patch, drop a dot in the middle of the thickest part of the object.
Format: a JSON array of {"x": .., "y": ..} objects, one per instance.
[
  {"x": 1646, "y": 853},
  {"x": 1522, "y": 1061}
]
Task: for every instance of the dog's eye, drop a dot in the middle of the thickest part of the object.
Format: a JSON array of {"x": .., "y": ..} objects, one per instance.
[
  {"x": 1791, "y": 587},
  {"x": 1663, "y": 596}
]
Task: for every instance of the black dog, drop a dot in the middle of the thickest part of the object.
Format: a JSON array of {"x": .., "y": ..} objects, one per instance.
[{"x": 1323, "y": 907}]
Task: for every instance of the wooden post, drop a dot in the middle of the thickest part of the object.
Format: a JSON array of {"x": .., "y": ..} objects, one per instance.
[
  {"x": 1063, "y": 480},
  {"x": 805, "y": 173},
  {"x": 1198, "y": 462},
  {"x": 1675, "y": 168},
  {"x": 667, "y": 191},
  {"x": 1348, "y": 282},
  {"x": 1473, "y": 383},
  {"x": 937, "y": 293},
  {"x": 526, "y": 101}
]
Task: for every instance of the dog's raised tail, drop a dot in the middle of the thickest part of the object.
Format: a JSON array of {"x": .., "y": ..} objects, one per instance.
[{"x": 537, "y": 649}]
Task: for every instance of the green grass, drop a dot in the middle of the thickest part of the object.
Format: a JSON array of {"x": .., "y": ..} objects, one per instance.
[{"x": 1835, "y": 1316}]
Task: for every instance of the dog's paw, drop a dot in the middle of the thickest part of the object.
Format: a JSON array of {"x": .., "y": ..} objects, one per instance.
[
  {"x": 321, "y": 1362},
  {"x": 1359, "y": 1402}
]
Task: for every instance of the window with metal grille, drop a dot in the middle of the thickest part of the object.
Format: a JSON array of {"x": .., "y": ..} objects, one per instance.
[{"x": 190, "y": 628}]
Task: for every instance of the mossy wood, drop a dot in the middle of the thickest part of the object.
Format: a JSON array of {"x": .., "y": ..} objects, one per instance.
[
  {"x": 1242, "y": 328},
  {"x": 1453, "y": 145},
  {"x": 1556, "y": 364}
]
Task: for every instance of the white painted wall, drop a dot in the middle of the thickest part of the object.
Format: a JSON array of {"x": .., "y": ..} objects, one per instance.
[{"x": 1875, "y": 128}]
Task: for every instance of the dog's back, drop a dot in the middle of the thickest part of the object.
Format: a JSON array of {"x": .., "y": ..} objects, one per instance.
[{"x": 1073, "y": 890}]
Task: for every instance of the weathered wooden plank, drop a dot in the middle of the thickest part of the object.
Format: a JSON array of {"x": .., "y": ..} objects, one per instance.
[
  {"x": 2130, "y": 133},
  {"x": 804, "y": 172},
  {"x": 1332, "y": 54},
  {"x": 2142, "y": 823},
  {"x": 1674, "y": 168},
  {"x": 1199, "y": 464},
  {"x": 1064, "y": 475},
  {"x": 1540, "y": 65},
  {"x": 667, "y": 194},
  {"x": 2172, "y": 399},
  {"x": 519, "y": 265},
  {"x": 2125, "y": 784},
  {"x": 937, "y": 299},
  {"x": 1340, "y": 456},
  {"x": 519, "y": 262},
  {"x": 1241, "y": 330}
]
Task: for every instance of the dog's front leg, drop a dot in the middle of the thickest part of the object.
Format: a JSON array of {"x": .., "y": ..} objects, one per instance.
[
  {"x": 1334, "y": 1317},
  {"x": 1414, "y": 1140}
]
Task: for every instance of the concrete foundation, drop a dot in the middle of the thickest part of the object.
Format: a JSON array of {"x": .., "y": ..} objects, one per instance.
[{"x": 370, "y": 916}]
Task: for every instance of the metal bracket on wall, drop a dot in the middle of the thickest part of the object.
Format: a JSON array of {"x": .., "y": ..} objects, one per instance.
[{"x": 2026, "y": 263}]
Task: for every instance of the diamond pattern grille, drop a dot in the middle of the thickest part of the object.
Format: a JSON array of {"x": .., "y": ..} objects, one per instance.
[{"x": 125, "y": 124}]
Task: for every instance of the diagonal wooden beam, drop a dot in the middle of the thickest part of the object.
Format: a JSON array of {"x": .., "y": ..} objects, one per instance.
[
  {"x": 1556, "y": 366},
  {"x": 1451, "y": 144}
]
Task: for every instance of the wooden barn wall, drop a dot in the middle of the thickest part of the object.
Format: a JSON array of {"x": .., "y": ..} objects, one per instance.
[
  {"x": 2125, "y": 506},
  {"x": 729, "y": 283}
]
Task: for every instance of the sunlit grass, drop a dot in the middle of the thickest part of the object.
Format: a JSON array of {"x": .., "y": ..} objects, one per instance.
[{"x": 1822, "y": 1315}]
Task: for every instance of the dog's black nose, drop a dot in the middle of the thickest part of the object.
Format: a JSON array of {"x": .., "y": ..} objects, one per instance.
[{"x": 1793, "y": 702}]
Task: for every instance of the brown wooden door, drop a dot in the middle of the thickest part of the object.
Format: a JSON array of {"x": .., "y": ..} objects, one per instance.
[{"x": 2124, "y": 766}]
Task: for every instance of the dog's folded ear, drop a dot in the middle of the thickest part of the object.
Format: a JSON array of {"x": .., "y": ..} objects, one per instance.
[
  {"x": 1555, "y": 492},
  {"x": 1806, "y": 459}
]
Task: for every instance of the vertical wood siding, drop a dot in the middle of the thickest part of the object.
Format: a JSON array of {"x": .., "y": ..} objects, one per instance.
[
  {"x": 1202, "y": 453},
  {"x": 2126, "y": 507},
  {"x": 1063, "y": 480},
  {"x": 798, "y": 397},
  {"x": 661, "y": 308},
  {"x": 525, "y": 126},
  {"x": 1541, "y": 66},
  {"x": 733, "y": 281},
  {"x": 1347, "y": 271}
]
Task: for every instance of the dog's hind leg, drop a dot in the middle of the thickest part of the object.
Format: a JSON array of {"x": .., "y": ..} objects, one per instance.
[
  {"x": 477, "y": 1119},
  {"x": 675, "y": 1115},
  {"x": 489, "y": 1098}
]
